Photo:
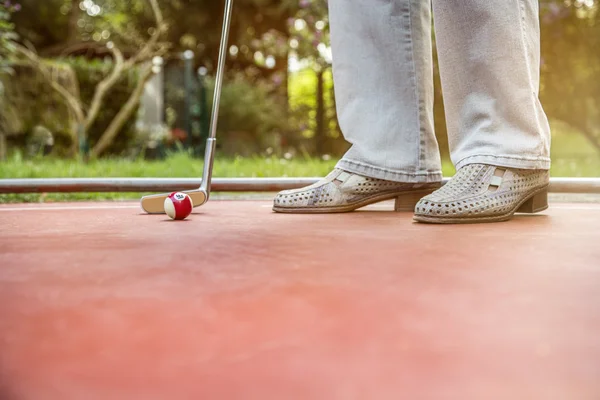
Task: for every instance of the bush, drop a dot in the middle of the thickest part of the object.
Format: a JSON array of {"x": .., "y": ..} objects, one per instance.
[
  {"x": 7, "y": 35},
  {"x": 31, "y": 102},
  {"x": 252, "y": 118}
]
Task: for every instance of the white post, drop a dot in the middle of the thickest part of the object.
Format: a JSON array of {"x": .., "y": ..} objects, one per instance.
[{"x": 152, "y": 102}]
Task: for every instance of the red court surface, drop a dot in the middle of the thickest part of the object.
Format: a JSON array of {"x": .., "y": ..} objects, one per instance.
[{"x": 98, "y": 301}]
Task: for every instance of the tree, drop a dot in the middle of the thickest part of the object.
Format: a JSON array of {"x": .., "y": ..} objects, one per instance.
[
  {"x": 570, "y": 88},
  {"x": 145, "y": 50},
  {"x": 7, "y": 49},
  {"x": 60, "y": 27},
  {"x": 7, "y": 35},
  {"x": 310, "y": 46}
]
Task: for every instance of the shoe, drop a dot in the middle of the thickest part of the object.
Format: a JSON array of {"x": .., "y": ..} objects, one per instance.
[
  {"x": 485, "y": 193},
  {"x": 343, "y": 191}
]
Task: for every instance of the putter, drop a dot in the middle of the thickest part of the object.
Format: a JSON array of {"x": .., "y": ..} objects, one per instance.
[{"x": 154, "y": 204}]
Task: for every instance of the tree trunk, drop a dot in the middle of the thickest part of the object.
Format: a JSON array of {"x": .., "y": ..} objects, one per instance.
[
  {"x": 121, "y": 118},
  {"x": 578, "y": 121},
  {"x": 593, "y": 139},
  {"x": 2, "y": 146},
  {"x": 103, "y": 87},
  {"x": 334, "y": 110},
  {"x": 320, "y": 130},
  {"x": 74, "y": 19}
]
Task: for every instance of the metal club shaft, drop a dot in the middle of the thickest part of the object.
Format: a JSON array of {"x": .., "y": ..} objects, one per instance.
[{"x": 209, "y": 154}]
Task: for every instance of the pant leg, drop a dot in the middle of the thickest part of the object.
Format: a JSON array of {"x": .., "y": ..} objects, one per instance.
[
  {"x": 383, "y": 76},
  {"x": 489, "y": 55}
]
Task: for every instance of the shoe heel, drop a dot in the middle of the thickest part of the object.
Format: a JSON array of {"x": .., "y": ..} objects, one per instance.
[
  {"x": 536, "y": 203},
  {"x": 408, "y": 201}
]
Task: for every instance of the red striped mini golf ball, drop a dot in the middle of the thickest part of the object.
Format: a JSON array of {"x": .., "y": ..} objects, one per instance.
[{"x": 178, "y": 205}]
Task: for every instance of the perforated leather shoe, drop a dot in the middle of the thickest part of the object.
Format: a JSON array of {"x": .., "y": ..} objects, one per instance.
[
  {"x": 485, "y": 193},
  {"x": 343, "y": 191}
]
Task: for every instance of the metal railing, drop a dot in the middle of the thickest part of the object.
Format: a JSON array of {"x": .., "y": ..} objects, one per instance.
[{"x": 140, "y": 185}]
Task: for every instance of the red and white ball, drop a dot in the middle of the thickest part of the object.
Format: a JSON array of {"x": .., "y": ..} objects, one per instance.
[{"x": 178, "y": 205}]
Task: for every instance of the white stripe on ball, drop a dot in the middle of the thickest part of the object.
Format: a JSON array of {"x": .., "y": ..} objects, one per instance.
[{"x": 170, "y": 208}]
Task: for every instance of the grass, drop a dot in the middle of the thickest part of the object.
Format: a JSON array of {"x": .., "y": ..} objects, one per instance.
[
  {"x": 178, "y": 165},
  {"x": 571, "y": 155}
]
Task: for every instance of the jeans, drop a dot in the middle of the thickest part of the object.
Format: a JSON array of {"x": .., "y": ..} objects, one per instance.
[{"x": 489, "y": 56}]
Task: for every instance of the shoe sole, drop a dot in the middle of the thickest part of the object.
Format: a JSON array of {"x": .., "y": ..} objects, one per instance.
[
  {"x": 405, "y": 201},
  {"x": 534, "y": 203}
]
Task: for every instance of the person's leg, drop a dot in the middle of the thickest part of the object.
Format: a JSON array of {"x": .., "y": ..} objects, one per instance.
[
  {"x": 498, "y": 133},
  {"x": 489, "y": 55},
  {"x": 382, "y": 68}
]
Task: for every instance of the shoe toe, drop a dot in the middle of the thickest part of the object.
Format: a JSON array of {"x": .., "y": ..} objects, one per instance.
[
  {"x": 428, "y": 207},
  {"x": 292, "y": 198}
]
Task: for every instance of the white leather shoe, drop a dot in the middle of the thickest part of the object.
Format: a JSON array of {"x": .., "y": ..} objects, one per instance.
[
  {"x": 343, "y": 191},
  {"x": 485, "y": 193}
]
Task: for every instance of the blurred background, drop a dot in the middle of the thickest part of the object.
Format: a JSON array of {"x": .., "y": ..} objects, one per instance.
[{"x": 124, "y": 88}]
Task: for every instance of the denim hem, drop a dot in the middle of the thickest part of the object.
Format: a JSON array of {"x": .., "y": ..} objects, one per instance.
[
  {"x": 507, "y": 161},
  {"x": 387, "y": 174}
]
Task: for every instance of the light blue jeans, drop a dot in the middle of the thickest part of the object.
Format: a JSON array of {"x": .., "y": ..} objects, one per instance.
[{"x": 489, "y": 57}]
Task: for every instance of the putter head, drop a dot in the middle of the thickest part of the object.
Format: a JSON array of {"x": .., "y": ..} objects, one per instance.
[{"x": 154, "y": 204}]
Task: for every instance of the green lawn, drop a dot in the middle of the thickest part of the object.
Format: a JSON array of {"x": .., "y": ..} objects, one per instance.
[
  {"x": 177, "y": 165},
  {"x": 572, "y": 157}
]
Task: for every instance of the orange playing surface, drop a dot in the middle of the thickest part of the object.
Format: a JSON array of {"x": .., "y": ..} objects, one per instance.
[{"x": 98, "y": 301}]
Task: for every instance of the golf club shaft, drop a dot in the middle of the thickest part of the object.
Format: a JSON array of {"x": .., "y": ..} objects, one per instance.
[{"x": 209, "y": 154}]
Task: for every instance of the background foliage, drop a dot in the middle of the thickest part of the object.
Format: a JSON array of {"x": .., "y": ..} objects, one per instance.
[
  {"x": 279, "y": 95},
  {"x": 30, "y": 102}
]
